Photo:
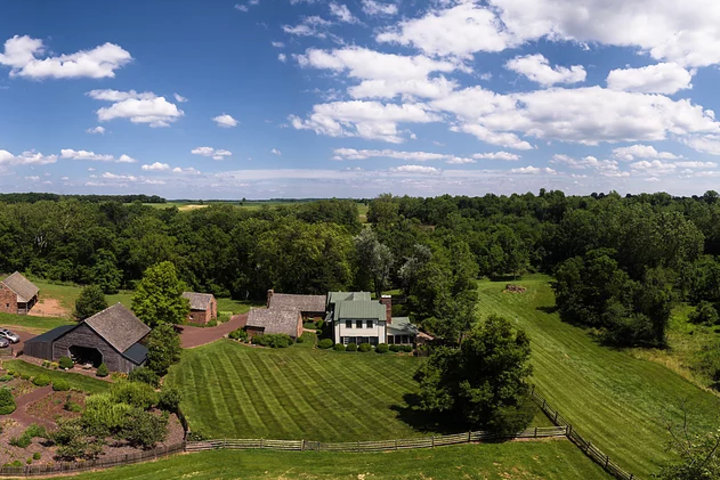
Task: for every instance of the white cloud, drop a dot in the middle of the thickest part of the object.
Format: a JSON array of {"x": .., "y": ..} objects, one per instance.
[
  {"x": 532, "y": 170},
  {"x": 275, "y": 151},
  {"x": 278, "y": 44},
  {"x": 422, "y": 169},
  {"x": 369, "y": 120},
  {"x": 179, "y": 98},
  {"x": 606, "y": 168},
  {"x": 538, "y": 69},
  {"x": 188, "y": 171},
  {"x": 26, "y": 158},
  {"x": 509, "y": 157},
  {"x": 21, "y": 54},
  {"x": 215, "y": 154},
  {"x": 312, "y": 26},
  {"x": 342, "y": 13},
  {"x": 282, "y": 57},
  {"x": 654, "y": 167},
  {"x": 98, "y": 129},
  {"x": 704, "y": 143},
  {"x": 242, "y": 8},
  {"x": 632, "y": 152},
  {"x": 353, "y": 154},
  {"x": 156, "y": 167},
  {"x": 225, "y": 121},
  {"x": 371, "y": 7},
  {"x": 34, "y": 178},
  {"x": 666, "y": 78},
  {"x": 137, "y": 107},
  {"x": 69, "y": 153},
  {"x": 113, "y": 176},
  {"x": 696, "y": 164},
  {"x": 502, "y": 139}
]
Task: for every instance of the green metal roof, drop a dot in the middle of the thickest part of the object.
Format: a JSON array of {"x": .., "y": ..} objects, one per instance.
[
  {"x": 360, "y": 310},
  {"x": 336, "y": 297}
]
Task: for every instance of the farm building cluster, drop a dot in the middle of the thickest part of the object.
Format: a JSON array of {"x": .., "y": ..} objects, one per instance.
[
  {"x": 18, "y": 295},
  {"x": 352, "y": 317}
]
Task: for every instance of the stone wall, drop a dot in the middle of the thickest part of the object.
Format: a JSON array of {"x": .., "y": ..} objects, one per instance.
[{"x": 8, "y": 300}]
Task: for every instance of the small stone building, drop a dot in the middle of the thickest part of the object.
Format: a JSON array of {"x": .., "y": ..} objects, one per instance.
[
  {"x": 274, "y": 320},
  {"x": 17, "y": 294},
  {"x": 112, "y": 337},
  {"x": 203, "y": 307}
]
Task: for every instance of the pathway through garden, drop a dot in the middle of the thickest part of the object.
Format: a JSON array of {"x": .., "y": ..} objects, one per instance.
[{"x": 20, "y": 414}]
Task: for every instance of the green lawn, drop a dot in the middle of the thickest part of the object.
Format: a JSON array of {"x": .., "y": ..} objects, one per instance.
[
  {"x": 548, "y": 460},
  {"x": 76, "y": 380},
  {"x": 236, "y": 306},
  {"x": 32, "y": 324},
  {"x": 615, "y": 400}
]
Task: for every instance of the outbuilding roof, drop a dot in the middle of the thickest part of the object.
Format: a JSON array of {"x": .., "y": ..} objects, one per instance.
[
  {"x": 23, "y": 287},
  {"x": 199, "y": 301},
  {"x": 275, "y": 320},
  {"x": 402, "y": 326},
  {"x": 302, "y": 303},
  {"x": 335, "y": 297},
  {"x": 118, "y": 326},
  {"x": 360, "y": 310},
  {"x": 51, "y": 335},
  {"x": 137, "y": 353}
]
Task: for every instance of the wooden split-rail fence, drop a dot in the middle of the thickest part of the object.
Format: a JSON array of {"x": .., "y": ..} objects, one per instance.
[{"x": 376, "y": 446}]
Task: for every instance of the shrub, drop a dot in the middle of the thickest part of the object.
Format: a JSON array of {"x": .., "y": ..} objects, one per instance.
[
  {"x": 65, "y": 363},
  {"x": 46, "y": 363},
  {"x": 102, "y": 370},
  {"x": 407, "y": 348},
  {"x": 71, "y": 406},
  {"x": 103, "y": 416},
  {"x": 164, "y": 349},
  {"x": 41, "y": 380},
  {"x": 14, "y": 463},
  {"x": 320, "y": 324},
  {"x": 382, "y": 348},
  {"x": 300, "y": 339},
  {"x": 146, "y": 429},
  {"x": 351, "y": 347},
  {"x": 309, "y": 325},
  {"x": 144, "y": 375},
  {"x": 36, "y": 431},
  {"x": 339, "y": 347},
  {"x": 37, "y": 456},
  {"x": 25, "y": 376},
  {"x": 61, "y": 385},
  {"x": 364, "y": 347},
  {"x": 136, "y": 394},
  {"x": 325, "y": 343},
  {"x": 239, "y": 334},
  {"x": 196, "y": 436},
  {"x": 170, "y": 399},
  {"x": 396, "y": 348},
  {"x": 279, "y": 340},
  {"x": 29, "y": 461},
  {"x": 705, "y": 313},
  {"x": 7, "y": 402},
  {"x": 6, "y": 378},
  {"x": 21, "y": 442},
  {"x": 212, "y": 323}
]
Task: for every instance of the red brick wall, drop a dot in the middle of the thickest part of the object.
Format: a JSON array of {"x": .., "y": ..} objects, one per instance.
[
  {"x": 8, "y": 300},
  {"x": 213, "y": 309},
  {"x": 199, "y": 317}
]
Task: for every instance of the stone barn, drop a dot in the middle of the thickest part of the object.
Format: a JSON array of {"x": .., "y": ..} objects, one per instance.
[
  {"x": 203, "y": 307},
  {"x": 17, "y": 294},
  {"x": 112, "y": 337}
]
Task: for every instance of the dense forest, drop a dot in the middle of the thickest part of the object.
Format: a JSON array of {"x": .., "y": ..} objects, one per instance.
[{"x": 620, "y": 263}]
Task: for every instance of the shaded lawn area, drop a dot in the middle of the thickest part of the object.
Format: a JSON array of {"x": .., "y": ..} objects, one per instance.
[
  {"x": 76, "y": 380},
  {"x": 616, "y": 401},
  {"x": 547, "y": 460},
  {"x": 32, "y": 324},
  {"x": 236, "y": 391}
]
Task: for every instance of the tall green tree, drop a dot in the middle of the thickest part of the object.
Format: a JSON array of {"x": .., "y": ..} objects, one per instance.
[
  {"x": 484, "y": 382},
  {"x": 164, "y": 349},
  {"x": 158, "y": 298},
  {"x": 374, "y": 259},
  {"x": 90, "y": 301}
]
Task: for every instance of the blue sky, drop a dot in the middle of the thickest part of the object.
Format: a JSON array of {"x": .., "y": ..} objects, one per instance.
[{"x": 298, "y": 98}]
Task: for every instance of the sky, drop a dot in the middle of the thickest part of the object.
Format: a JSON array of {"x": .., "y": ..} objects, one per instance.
[{"x": 314, "y": 98}]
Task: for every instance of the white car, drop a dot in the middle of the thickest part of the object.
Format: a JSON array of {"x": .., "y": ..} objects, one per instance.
[
  {"x": 9, "y": 336},
  {"x": 4, "y": 342}
]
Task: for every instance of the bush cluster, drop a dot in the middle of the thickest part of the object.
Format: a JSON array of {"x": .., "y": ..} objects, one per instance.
[
  {"x": 239, "y": 334},
  {"x": 339, "y": 347},
  {"x": 364, "y": 347},
  {"x": 144, "y": 375},
  {"x": 65, "y": 362},
  {"x": 382, "y": 348},
  {"x": 6, "y": 378},
  {"x": 325, "y": 343},
  {"x": 351, "y": 347},
  {"x": 273, "y": 340},
  {"x": 102, "y": 371},
  {"x": 41, "y": 380},
  {"x": 61, "y": 385},
  {"x": 401, "y": 348},
  {"x": 24, "y": 440}
]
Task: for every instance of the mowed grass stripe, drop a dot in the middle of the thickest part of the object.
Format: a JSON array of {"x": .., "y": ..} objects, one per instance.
[{"x": 618, "y": 402}]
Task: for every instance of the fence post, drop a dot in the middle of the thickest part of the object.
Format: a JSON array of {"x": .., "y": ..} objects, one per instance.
[
  {"x": 396, "y": 444},
  {"x": 433, "y": 441},
  {"x": 468, "y": 437},
  {"x": 262, "y": 443},
  {"x": 535, "y": 432},
  {"x": 544, "y": 401},
  {"x": 607, "y": 460},
  {"x": 556, "y": 416},
  {"x": 358, "y": 446}
]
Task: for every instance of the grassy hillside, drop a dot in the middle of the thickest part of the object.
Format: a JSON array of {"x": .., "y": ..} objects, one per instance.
[
  {"x": 618, "y": 402},
  {"x": 550, "y": 460}
]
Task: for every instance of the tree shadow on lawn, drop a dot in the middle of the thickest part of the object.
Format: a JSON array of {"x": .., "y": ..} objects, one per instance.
[{"x": 411, "y": 414}]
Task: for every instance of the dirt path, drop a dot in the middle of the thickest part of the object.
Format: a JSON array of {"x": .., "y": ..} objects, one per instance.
[
  {"x": 20, "y": 414},
  {"x": 48, "y": 307},
  {"x": 196, "y": 336}
]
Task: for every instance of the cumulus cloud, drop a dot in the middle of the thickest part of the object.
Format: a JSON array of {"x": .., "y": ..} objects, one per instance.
[
  {"x": 509, "y": 157},
  {"x": 225, "y": 121},
  {"x": 342, "y": 13},
  {"x": 632, "y": 152},
  {"x": 69, "y": 153},
  {"x": 371, "y": 7},
  {"x": 278, "y": 44},
  {"x": 353, "y": 154},
  {"x": 145, "y": 107},
  {"x": 666, "y": 78},
  {"x": 186, "y": 171},
  {"x": 312, "y": 26},
  {"x": 282, "y": 57},
  {"x": 26, "y": 158},
  {"x": 538, "y": 69},
  {"x": 422, "y": 169},
  {"x": 99, "y": 130},
  {"x": 179, "y": 98},
  {"x": 156, "y": 167},
  {"x": 22, "y": 55},
  {"x": 532, "y": 170},
  {"x": 215, "y": 154},
  {"x": 606, "y": 168}
]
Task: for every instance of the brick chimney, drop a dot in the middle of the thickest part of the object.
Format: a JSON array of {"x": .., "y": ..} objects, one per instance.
[
  {"x": 387, "y": 301},
  {"x": 270, "y": 294}
]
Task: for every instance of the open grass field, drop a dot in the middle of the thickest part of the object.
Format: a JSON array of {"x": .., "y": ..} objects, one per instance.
[
  {"x": 547, "y": 460},
  {"x": 32, "y": 324},
  {"x": 76, "y": 380},
  {"x": 615, "y": 400}
]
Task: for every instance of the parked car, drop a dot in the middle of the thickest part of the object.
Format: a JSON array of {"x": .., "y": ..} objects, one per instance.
[
  {"x": 4, "y": 342},
  {"x": 8, "y": 335}
]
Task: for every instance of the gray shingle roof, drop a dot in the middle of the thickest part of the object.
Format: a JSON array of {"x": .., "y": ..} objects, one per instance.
[
  {"x": 275, "y": 320},
  {"x": 118, "y": 326},
  {"x": 401, "y": 326},
  {"x": 302, "y": 303},
  {"x": 23, "y": 287},
  {"x": 360, "y": 309},
  {"x": 137, "y": 353},
  {"x": 198, "y": 301}
]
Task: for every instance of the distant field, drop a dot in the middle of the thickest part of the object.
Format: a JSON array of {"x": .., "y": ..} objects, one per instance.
[
  {"x": 618, "y": 402},
  {"x": 548, "y": 460}
]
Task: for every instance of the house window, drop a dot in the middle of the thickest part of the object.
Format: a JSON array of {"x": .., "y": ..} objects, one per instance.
[
  {"x": 358, "y": 323},
  {"x": 369, "y": 324},
  {"x": 348, "y": 324},
  {"x": 391, "y": 339}
]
